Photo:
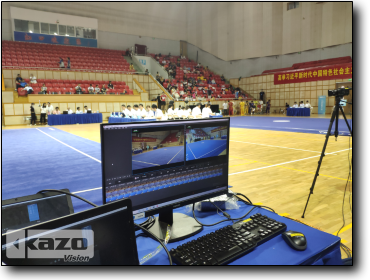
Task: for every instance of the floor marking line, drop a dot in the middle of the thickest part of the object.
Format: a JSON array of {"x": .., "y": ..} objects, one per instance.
[
  {"x": 274, "y": 146},
  {"x": 51, "y": 128},
  {"x": 289, "y": 127},
  {"x": 191, "y": 151},
  {"x": 245, "y": 171},
  {"x": 70, "y": 146},
  {"x": 343, "y": 229},
  {"x": 146, "y": 162},
  {"x": 212, "y": 150},
  {"x": 175, "y": 155},
  {"x": 87, "y": 190}
]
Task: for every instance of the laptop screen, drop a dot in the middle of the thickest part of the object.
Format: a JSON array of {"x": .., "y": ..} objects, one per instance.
[
  {"x": 34, "y": 209},
  {"x": 110, "y": 227}
]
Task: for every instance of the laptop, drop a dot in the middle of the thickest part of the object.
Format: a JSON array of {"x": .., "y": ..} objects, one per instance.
[
  {"x": 65, "y": 112},
  {"x": 29, "y": 210},
  {"x": 105, "y": 236},
  {"x": 89, "y": 111}
]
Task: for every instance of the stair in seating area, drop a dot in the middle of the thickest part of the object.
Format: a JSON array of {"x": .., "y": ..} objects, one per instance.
[{"x": 129, "y": 60}]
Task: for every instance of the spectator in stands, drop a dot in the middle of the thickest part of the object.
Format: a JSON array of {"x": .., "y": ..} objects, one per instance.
[
  {"x": 69, "y": 110},
  {"x": 110, "y": 85},
  {"x": 85, "y": 109},
  {"x": 163, "y": 61},
  {"x": 97, "y": 89},
  {"x": 213, "y": 81},
  {"x": 308, "y": 105},
  {"x": 146, "y": 72},
  {"x": 268, "y": 105},
  {"x": 198, "y": 65},
  {"x": 57, "y": 111},
  {"x": 78, "y": 111},
  {"x": 18, "y": 82},
  {"x": 33, "y": 79},
  {"x": 103, "y": 90},
  {"x": 28, "y": 89},
  {"x": 49, "y": 108},
  {"x": 61, "y": 63},
  {"x": 91, "y": 89},
  {"x": 236, "y": 94},
  {"x": 78, "y": 89},
  {"x": 44, "y": 89},
  {"x": 295, "y": 105},
  {"x": 222, "y": 78},
  {"x": 157, "y": 112},
  {"x": 157, "y": 77},
  {"x": 132, "y": 66}
]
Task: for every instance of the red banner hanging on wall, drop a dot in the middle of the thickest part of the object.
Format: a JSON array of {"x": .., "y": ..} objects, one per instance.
[{"x": 338, "y": 71}]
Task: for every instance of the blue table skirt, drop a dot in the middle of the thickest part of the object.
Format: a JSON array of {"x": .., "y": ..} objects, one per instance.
[
  {"x": 322, "y": 248},
  {"x": 75, "y": 118},
  {"x": 122, "y": 120},
  {"x": 297, "y": 112},
  {"x": 215, "y": 117}
]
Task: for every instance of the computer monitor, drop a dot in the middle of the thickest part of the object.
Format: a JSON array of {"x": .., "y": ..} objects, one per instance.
[
  {"x": 163, "y": 165},
  {"x": 110, "y": 227},
  {"x": 21, "y": 212}
]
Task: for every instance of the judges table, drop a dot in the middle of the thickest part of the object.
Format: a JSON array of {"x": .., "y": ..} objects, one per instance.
[
  {"x": 75, "y": 118},
  {"x": 322, "y": 248},
  {"x": 122, "y": 120},
  {"x": 298, "y": 112},
  {"x": 219, "y": 116}
]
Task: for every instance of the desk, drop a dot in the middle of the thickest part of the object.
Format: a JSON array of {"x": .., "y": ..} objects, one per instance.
[
  {"x": 122, "y": 120},
  {"x": 75, "y": 118},
  {"x": 212, "y": 117},
  {"x": 322, "y": 248},
  {"x": 298, "y": 112}
]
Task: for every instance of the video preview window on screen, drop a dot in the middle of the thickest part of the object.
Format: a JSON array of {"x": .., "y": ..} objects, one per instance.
[
  {"x": 153, "y": 148},
  {"x": 205, "y": 142}
]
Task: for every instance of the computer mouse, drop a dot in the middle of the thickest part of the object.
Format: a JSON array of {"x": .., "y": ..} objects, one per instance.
[{"x": 295, "y": 239}]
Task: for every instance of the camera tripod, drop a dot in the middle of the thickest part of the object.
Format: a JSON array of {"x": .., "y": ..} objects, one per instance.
[{"x": 334, "y": 117}]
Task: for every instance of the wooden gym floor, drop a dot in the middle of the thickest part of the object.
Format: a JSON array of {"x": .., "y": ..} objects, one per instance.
[{"x": 276, "y": 169}]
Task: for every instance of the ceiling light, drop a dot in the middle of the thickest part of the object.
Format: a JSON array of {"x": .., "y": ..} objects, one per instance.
[{"x": 31, "y": 31}]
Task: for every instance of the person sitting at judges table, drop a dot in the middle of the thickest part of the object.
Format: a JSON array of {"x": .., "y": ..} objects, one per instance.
[
  {"x": 28, "y": 89},
  {"x": 110, "y": 85},
  {"x": 78, "y": 89},
  {"x": 308, "y": 105},
  {"x": 44, "y": 89},
  {"x": 33, "y": 79},
  {"x": 78, "y": 111},
  {"x": 196, "y": 112},
  {"x": 170, "y": 110},
  {"x": 183, "y": 113},
  {"x": 149, "y": 112},
  {"x": 141, "y": 108},
  {"x": 301, "y": 105},
  {"x": 157, "y": 112},
  {"x": 57, "y": 111},
  {"x": 129, "y": 112},
  {"x": 97, "y": 89},
  {"x": 206, "y": 112},
  {"x": 43, "y": 111},
  {"x": 85, "y": 109},
  {"x": 136, "y": 114},
  {"x": 90, "y": 89},
  {"x": 295, "y": 105},
  {"x": 69, "y": 110},
  {"x": 124, "y": 110}
]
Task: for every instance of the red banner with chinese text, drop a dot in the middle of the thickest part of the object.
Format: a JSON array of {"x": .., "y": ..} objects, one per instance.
[
  {"x": 338, "y": 71},
  {"x": 142, "y": 139}
]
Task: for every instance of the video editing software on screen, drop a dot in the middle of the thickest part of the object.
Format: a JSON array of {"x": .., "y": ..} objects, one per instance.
[{"x": 159, "y": 164}]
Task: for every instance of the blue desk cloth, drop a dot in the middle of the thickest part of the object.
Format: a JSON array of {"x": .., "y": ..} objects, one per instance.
[
  {"x": 297, "y": 112},
  {"x": 322, "y": 248},
  {"x": 75, "y": 118},
  {"x": 122, "y": 120},
  {"x": 215, "y": 117}
]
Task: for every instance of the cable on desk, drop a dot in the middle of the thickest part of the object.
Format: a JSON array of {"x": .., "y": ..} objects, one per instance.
[
  {"x": 246, "y": 202},
  {"x": 250, "y": 202},
  {"x": 68, "y": 193},
  {"x": 226, "y": 220},
  {"x": 156, "y": 238}
]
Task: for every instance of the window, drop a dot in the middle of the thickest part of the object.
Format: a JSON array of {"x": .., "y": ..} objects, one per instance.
[
  {"x": 27, "y": 26},
  {"x": 62, "y": 30},
  {"x": 44, "y": 28},
  {"x": 80, "y": 32},
  {"x": 70, "y": 31},
  {"x": 293, "y": 5},
  {"x": 53, "y": 29},
  {"x": 89, "y": 33}
]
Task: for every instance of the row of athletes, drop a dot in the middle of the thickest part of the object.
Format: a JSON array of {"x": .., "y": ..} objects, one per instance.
[{"x": 152, "y": 112}]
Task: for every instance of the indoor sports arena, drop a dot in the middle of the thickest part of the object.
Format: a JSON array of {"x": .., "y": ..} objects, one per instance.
[{"x": 177, "y": 133}]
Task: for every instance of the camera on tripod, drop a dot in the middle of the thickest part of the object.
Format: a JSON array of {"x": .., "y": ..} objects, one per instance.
[{"x": 339, "y": 92}]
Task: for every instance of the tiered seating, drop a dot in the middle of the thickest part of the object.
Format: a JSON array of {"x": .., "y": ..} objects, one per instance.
[
  {"x": 170, "y": 138},
  {"x": 64, "y": 86},
  {"x": 309, "y": 64},
  {"x": 179, "y": 79},
  {"x": 37, "y": 55}
]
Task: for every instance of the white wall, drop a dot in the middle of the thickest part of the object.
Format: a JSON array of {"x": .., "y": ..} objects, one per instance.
[
  {"x": 6, "y": 29},
  {"x": 147, "y": 62}
]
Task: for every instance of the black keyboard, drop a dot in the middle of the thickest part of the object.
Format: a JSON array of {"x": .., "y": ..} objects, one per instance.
[{"x": 228, "y": 243}]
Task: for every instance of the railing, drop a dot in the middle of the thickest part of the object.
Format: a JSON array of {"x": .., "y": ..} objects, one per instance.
[
  {"x": 138, "y": 86},
  {"x": 71, "y": 69},
  {"x": 161, "y": 87}
]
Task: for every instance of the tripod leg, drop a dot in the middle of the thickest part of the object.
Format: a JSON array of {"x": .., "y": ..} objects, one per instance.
[
  {"x": 336, "y": 132},
  {"x": 321, "y": 156},
  {"x": 344, "y": 116}
]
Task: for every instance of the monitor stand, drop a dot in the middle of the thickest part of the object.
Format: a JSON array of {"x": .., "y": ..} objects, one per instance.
[{"x": 183, "y": 226}]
